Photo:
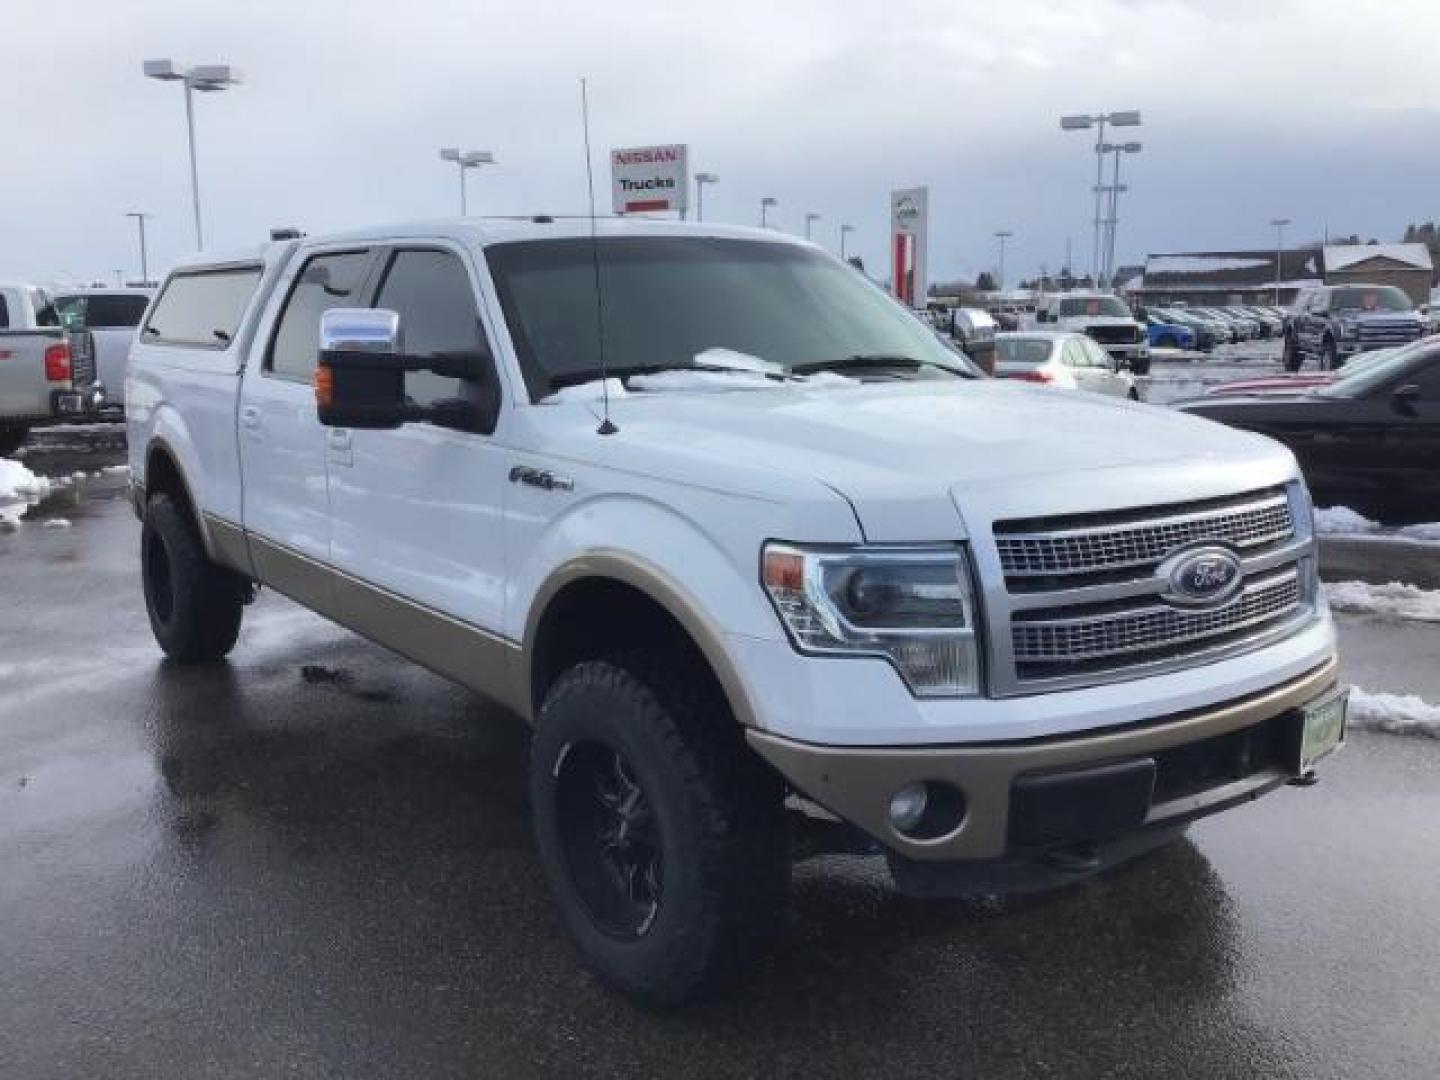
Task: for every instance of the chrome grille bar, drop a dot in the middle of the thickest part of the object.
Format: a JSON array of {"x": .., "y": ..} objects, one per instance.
[
  {"x": 1151, "y": 627},
  {"x": 1251, "y": 523}
]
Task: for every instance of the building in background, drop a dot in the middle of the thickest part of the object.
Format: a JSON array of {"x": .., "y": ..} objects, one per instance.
[{"x": 1251, "y": 277}]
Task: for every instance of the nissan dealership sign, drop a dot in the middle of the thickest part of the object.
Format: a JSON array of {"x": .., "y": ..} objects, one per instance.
[
  {"x": 649, "y": 178},
  {"x": 909, "y": 229}
]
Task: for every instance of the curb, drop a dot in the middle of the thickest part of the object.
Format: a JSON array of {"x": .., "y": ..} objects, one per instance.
[{"x": 1380, "y": 560}]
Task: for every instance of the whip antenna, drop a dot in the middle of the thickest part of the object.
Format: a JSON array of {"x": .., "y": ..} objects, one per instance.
[{"x": 606, "y": 427}]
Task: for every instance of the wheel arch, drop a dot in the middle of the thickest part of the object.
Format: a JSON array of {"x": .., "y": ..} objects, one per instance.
[
  {"x": 611, "y": 581},
  {"x": 164, "y": 473}
]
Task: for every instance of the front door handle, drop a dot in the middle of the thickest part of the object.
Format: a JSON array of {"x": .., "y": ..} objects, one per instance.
[
  {"x": 250, "y": 417},
  {"x": 341, "y": 449}
]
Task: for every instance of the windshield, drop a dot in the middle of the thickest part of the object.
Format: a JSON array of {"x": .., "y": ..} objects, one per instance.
[
  {"x": 1022, "y": 351},
  {"x": 666, "y": 300},
  {"x": 1375, "y": 372},
  {"x": 1370, "y": 298},
  {"x": 1091, "y": 306},
  {"x": 90, "y": 311}
]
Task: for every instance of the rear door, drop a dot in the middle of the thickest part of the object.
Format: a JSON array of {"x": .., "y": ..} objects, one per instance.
[
  {"x": 416, "y": 511},
  {"x": 1415, "y": 444},
  {"x": 282, "y": 443},
  {"x": 1107, "y": 380}
]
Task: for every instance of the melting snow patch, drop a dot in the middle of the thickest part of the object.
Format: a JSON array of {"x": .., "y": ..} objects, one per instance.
[
  {"x": 114, "y": 469},
  {"x": 17, "y": 480},
  {"x": 1396, "y": 714},
  {"x": 55, "y": 523},
  {"x": 1342, "y": 521},
  {"x": 1397, "y": 599}
]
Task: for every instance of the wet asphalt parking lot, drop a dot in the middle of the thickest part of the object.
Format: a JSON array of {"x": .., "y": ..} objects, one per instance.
[{"x": 316, "y": 861}]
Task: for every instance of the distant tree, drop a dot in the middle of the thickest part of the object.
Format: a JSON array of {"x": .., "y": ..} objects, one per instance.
[{"x": 985, "y": 282}]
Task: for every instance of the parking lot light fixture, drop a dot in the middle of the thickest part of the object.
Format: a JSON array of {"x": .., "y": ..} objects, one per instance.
[
  {"x": 1128, "y": 118},
  {"x": 140, "y": 217},
  {"x": 1279, "y": 225},
  {"x": 845, "y": 230},
  {"x": 1002, "y": 235},
  {"x": 810, "y": 219},
  {"x": 208, "y": 79},
  {"x": 1114, "y": 190},
  {"x": 466, "y": 160},
  {"x": 701, "y": 179},
  {"x": 765, "y": 204}
]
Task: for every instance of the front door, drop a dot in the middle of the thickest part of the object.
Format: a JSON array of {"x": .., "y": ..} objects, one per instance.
[{"x": 416, "y": 511}]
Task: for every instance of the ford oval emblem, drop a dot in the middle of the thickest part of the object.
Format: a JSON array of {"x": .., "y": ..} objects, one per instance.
[{"x": 1206, "y": 575}]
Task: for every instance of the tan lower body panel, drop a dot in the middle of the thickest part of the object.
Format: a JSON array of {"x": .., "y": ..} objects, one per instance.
[
  {"x": 471, "y": 657},
  {"x": 857, "y": 782}
]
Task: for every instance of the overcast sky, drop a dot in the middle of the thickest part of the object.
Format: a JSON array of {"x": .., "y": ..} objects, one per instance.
[{"x": 1323, "y": 111}]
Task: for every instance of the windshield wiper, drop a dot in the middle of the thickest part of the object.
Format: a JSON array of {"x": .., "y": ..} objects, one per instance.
[
  {"x": 859, "y": 362},
  {"x": 577, "y": 378}
]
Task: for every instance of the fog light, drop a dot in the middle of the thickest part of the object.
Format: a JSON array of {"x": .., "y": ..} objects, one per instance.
[{"x": 907, "y": 807}]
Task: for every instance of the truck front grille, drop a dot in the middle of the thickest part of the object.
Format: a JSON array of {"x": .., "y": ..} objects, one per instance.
[
  {"x": 1114, "y": 335},
  {"x": 1379, "y": 334},
  {"x": 1085, "y": 600}
]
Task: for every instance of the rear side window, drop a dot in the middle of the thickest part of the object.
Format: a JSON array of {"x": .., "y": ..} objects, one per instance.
[
  {"x": 324, "y": 282},
  {"x": 201, "y": 308},
  {"x": 100, "y": 311},
  {"x": 4, "y": 312},
  {"x": 438, "y": 316}
]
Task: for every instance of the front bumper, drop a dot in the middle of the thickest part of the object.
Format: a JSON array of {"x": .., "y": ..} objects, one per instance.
[{"x": 856, "y": 783}]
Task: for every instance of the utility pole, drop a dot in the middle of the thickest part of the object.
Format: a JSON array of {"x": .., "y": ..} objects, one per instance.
[
  {"x": 140, "y": 217},
  {"x": 1279, "y": 224}
]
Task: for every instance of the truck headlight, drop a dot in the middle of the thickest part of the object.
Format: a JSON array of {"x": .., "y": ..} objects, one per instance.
[
  {"x": 912, "y": 606},
  {"x": 1349, "y": 329}
]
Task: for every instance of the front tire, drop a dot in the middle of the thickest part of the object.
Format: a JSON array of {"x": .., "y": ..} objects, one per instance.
[
  {"x": 194, "y": 605},
  {"x": 1291, "y": 358},
  {"x": 12, "y": 437},
  {"x": 663, "y": 836},
  {"x": 1329, "y": 356}
]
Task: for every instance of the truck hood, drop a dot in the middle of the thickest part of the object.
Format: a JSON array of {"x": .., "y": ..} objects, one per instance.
[{"x": 906, "y": 455}]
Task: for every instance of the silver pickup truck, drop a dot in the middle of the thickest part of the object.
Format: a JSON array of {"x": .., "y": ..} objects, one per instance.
[{"x": 47, "y": 373}]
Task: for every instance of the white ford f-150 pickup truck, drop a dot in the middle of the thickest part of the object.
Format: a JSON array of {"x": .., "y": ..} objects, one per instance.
[
  {"x": 744, "y": 541},
  {"x": 47, "y": 372}
]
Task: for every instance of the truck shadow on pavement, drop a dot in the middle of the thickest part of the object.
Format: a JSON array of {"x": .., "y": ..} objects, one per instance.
[{"x": 369, "y": 836}]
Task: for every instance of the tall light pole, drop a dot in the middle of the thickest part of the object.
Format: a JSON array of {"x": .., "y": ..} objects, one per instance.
[
  {"x": 140, "y": 217},
  {"x": 1115, "y": 188},
  {"x": 765, "y": 204},
  {"x": 1279, "y": 223},
  {"x": 208, "y": 79},
  {"x": 845, "y": 230},
  {"x": 1002, "y": 235},
  {"x": 470, "y": 159},
  {"x": 1083, "y": 123},
  {"x": 810, "y": 219},
  {"x": 701, "y": 179}
]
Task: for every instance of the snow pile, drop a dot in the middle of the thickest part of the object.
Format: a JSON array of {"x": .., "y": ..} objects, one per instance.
[
  {"x": 16, "y": 481},
  {"x": 1200, "y": 264},
  {"x": 701, "y": 379},
  {"x": 55, "y": 523},
  {"x": 723, "y": 378},
  {"x": 1395, "y": 599},
  {"x": 1395, "y": 714},
  {"x": 1342, "y": 521}
]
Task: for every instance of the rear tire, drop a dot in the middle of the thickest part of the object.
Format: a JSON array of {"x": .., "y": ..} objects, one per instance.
[
  {"x": 1140, "y": 365},
  {"x": 663, "y": 836},
  {"x": 194, "y": 605},
  {"x": 1291, "y": 357},
  {"x": 1329, "y": 356},
  {"x": 12, "y": 437}
]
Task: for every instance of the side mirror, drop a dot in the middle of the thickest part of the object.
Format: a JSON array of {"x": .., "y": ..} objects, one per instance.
[
  {"x": 360, "y": 379},
  {"x": 1404, "y": 398}
]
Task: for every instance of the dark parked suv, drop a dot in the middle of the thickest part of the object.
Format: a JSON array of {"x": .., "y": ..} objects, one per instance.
[{"x": 1332, "y": 323}]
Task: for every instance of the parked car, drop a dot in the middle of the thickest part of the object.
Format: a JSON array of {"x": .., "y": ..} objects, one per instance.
[
  {"x": 1370, "y": 440},
  {"x": 1223, "y": 331},
  {"x": 1272, "y": 325},
  {"x": 1207, "y": 334},
  {"x": 47, "y": 373},
  {"x": 1103, "y": 316},
  {"x": 111, "y": 316},
  {"x": 1241, "y": 329},
  {"x": 1066, "y": 361},
  {"x": 1331, "y": 323},
  {"x": 1169, "y": 334},
  {"x": 721, "y": 557}
]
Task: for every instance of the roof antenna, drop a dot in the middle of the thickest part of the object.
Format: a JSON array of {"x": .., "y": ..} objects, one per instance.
[{"x": 606, "y": 427}]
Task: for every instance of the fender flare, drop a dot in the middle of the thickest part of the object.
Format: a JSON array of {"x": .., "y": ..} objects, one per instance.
[{"x": 659, "y": 586}]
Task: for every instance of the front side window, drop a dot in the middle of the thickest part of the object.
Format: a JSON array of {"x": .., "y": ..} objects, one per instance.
[
  {"x": 201, "y": 308},
  {"x": 439, "y": 316},
  {"x": 324, "y": 282},
  {"x": 686, "y": 302}
]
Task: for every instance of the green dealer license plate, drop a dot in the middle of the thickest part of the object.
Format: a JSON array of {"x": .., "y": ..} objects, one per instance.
[{"x": 1322, "y": 728}]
